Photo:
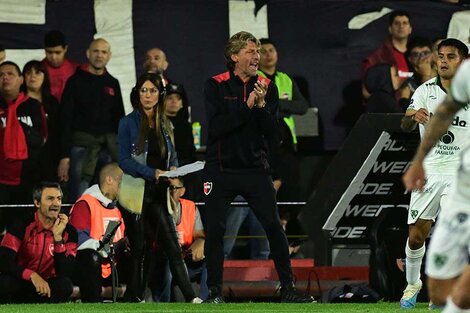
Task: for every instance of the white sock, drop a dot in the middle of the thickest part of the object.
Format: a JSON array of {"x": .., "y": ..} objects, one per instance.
[
  {"x": 414, "y": 258},
  {"x": 452, "y": 308}
]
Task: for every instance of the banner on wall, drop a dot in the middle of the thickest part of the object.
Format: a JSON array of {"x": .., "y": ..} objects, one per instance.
[{"x": 376, "y": 187}]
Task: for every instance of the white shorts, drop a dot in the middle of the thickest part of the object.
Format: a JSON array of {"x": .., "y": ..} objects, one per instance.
[
  {"x": 426, "y": 204},
  {"x": 449, "y": 250}
]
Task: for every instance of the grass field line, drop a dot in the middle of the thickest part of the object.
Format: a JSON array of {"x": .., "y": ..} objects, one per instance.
[{"x": 383, "y": 307}]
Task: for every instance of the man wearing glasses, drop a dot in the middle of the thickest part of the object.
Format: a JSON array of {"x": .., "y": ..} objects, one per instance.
[{"x": 419, "y": 55}]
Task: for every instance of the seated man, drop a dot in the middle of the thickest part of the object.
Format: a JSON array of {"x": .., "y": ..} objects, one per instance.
[
  {"x": 191, "y": 235},
  {"x": 37, "y": 254},
  {"x": 90, "y": 215}
]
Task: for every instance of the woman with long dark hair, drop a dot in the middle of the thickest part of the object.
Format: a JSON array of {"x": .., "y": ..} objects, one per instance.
[
  {"x": 37, "y": 85},
  {"x": 146, "y": 149}
]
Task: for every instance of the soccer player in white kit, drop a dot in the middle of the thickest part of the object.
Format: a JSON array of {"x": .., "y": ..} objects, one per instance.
[
  {"x": 447, "y": 263},
  {"x": 441, "y": 163}
]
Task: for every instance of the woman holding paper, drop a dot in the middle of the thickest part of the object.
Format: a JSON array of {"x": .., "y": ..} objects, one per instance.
[{"x": 146, "y": 150}]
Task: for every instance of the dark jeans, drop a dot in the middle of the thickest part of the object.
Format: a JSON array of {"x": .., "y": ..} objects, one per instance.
[
  {"x": 258, "y": 190},
  {"x": 15, "y": 290},
  {"x": 237, "y": 216}
]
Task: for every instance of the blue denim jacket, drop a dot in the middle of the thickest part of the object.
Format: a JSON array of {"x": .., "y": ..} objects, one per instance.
[{"x": 129, "y": 161}]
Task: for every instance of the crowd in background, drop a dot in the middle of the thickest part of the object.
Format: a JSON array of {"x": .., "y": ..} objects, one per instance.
[
  {"x": 74, "y": 130},
  {"x": 65, "y": 122}
]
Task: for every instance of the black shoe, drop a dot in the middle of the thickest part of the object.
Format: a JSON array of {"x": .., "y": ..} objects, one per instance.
[
  {"x": 289, "y": 294},
  {"x": 215, "y": 295},
  {"x": 217, "y": 299}
]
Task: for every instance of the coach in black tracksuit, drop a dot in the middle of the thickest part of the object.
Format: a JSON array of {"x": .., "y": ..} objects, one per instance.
[{"x": 241, "y": 110}]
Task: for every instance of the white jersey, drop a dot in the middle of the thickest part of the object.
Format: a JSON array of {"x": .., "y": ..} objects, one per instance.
[
  {"x": 460, "y": 88},
  {"x": 448, "y": 252},
  {"x": 444, "y": 156}
]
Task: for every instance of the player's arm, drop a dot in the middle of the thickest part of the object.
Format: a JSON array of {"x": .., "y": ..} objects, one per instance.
[
  {"x": 413, "y": 118},
  {"x": 417, "y": 112},
  {"x": 408, "y": 122}
]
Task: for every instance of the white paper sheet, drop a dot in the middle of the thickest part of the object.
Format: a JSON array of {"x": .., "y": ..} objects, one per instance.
[{"x": 185, "y": 169}]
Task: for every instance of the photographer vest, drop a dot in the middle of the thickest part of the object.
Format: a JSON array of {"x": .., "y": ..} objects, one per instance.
[{"x": 99, "y": 219}]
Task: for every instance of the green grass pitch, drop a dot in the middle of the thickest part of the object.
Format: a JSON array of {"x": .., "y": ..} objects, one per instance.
[{"x": 384, "y": 307}]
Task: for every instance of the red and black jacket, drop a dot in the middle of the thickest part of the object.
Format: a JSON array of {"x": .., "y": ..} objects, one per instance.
[
  {"x": 28, "y": 247},
  {"x": 239, "y": 138},
  {"x": 15, "y": 171}
]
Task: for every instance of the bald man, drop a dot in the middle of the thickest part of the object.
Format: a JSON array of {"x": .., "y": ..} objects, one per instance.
[
  {"x": 92, "y": 106},
  {"x": 90, "y": 215},
  {"x": 155, "y": 61}
]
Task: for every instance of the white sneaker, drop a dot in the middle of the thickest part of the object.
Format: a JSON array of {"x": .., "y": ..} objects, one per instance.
[
  {"x": 408, "y": 301},
  {"x": 196, "y": 300}
]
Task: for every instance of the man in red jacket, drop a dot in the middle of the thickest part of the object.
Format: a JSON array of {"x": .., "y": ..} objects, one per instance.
[
  {"x": 37, "y": 254},
  {"x": 392, "y": 51},
  {"x": 22, "y": 134}
]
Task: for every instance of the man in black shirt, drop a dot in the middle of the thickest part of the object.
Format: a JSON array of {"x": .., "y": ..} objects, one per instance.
[
  {"x": 91, "y": 108},
  {"x": 242, "y": 146}
]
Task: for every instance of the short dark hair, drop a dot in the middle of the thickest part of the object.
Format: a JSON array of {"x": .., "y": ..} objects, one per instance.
[
  {"x": 418, "y": 41},
  {"x": 267, "y": 41},
  {"x": 18, "y": 70},
  {"x": 38, "y": 189},
  {"x": 54, "y": 38},
  {"x": 110, "y": 169},
  {"x": 396, "y": 13},
  {"x": 452, "y": 42}
]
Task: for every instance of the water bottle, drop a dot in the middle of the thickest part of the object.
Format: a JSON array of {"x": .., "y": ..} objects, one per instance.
[{"x": 197, "y": 135}]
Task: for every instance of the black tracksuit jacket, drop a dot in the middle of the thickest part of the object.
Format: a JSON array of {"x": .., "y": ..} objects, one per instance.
[{"x": 241, "y": 139}]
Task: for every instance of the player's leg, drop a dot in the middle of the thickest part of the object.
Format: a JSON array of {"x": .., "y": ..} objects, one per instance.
[
  {"x": 424, "y": 208},
  {"x": 447, "y": 257},
  {"x": 459, "y": 300}
]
